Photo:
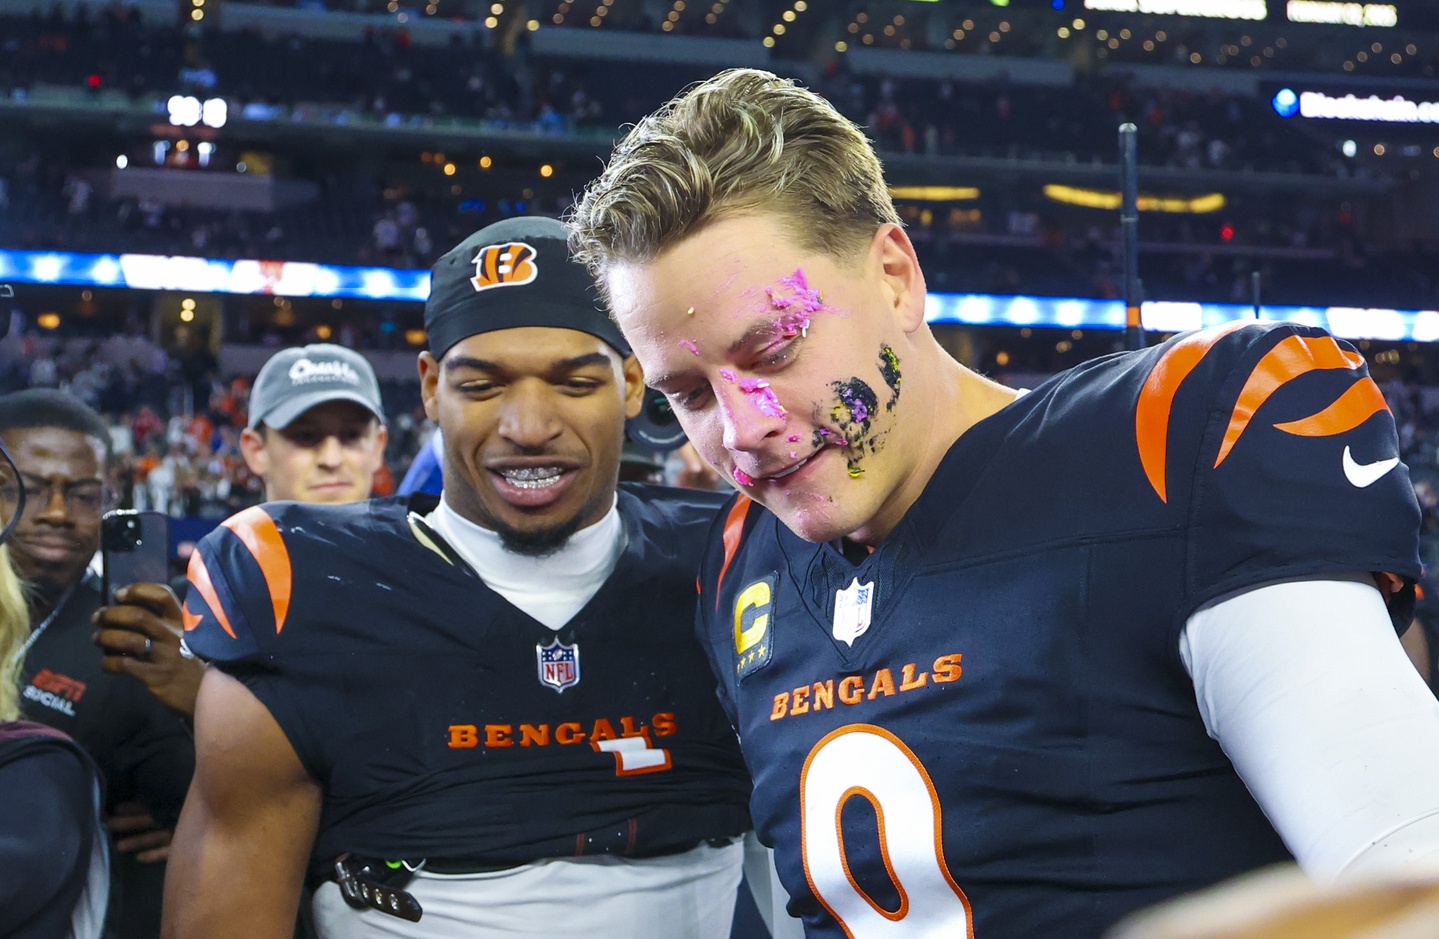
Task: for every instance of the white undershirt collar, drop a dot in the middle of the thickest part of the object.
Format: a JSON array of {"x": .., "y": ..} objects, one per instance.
[{"x": 552, "y": 589}]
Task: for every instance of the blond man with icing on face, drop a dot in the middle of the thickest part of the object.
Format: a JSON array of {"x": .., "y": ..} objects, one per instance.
[{"x": 1010, "y": 665}]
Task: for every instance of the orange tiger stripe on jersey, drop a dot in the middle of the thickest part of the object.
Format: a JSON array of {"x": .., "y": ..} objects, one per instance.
[
  {"x": 1362, "y": 401},
  {"x": 506, "y": 265},
  {"x": 257, "y": 530},
  {"x": 1294, "y": 356},
  {"x": 199, "y": 576},
  {"x": 733, "y": 531},
  {"x": 1156, "y": 400}
]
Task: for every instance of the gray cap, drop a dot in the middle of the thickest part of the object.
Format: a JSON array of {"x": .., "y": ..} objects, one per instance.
[{"x": 295, "y": 380}]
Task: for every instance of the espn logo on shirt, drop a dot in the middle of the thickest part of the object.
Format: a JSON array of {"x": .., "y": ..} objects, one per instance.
[{"x": 55, "y": 691}]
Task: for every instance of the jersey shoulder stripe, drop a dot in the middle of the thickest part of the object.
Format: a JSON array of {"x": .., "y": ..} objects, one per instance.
[
  {"x": 732, "y": 535},
  {"x": 256, "y": 529},
  {"x": 1292, "y": 357}
]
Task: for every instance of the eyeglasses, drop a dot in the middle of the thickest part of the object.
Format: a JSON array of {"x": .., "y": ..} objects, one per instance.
[
  {"x": 22, "y": 493},
  {"x": 12, "y": 493}
]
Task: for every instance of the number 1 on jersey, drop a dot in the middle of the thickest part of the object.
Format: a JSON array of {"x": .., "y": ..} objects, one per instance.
[{"x": 865, "y": 761}]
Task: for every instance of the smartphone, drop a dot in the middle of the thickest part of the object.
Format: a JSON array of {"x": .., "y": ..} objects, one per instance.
[{"x": 136, "y": 549}]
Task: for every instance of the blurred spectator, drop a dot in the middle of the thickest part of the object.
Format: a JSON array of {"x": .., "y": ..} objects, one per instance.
[
  {"x": 54, "y": 853},
  {"x": 316, "y": 431},
  {"x": 61, "y": 448}
]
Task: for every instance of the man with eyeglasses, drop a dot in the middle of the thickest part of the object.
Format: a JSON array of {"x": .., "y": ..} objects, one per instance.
[{"x": 61, "y": 449}]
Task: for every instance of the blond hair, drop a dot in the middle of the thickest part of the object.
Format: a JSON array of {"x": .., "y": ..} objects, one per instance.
[
  {"x": 745, "y": 140},
  {"x": 14, "y": 628}
]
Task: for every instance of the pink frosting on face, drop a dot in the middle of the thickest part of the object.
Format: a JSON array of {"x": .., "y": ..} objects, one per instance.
[
  {"x": 797, "y": 300},
  {"x": 792, "y": 324},
  {"x": 794, "y": 292},
  {"x": 690, "y": 346},
  {"x": 763, "y": 397},
  {"x": 768, "y": 404},
  {"x": 727, "y": 374},
  {"x": 793, "y": 438},
  {"x": 743, "y": 478}
]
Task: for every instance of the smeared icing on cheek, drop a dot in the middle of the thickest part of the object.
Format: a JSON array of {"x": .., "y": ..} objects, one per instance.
[
  {"x": 727, "y": 374},
  {"x": 793, "y": 438},
  {"x": 690, "y": 346},
  {"x": 857, "y": 404},
  {"x": 889, "y": 371},
  {"x": 852, "y": 414}
]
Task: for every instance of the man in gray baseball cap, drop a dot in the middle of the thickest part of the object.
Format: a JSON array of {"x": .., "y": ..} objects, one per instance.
[{"x": 316, "y": 430}]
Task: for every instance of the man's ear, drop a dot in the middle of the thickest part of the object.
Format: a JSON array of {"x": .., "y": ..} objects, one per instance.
[
  {"x": 901, "y": 279},
  {"x": 634, "y": 387},
  {"x": 252, "y": 448},
  {"x": 429, "y": 385}
]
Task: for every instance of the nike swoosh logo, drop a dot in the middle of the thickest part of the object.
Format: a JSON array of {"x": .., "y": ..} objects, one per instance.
[{"x": 1363, "y": 475}]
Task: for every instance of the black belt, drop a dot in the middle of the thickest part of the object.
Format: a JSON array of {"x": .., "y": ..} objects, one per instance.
[
  {"x": 369, "y": 883},
  {"x": 482, "y": 865}
]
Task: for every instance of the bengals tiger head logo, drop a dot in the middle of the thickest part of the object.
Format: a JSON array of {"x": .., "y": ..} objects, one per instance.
[{"x": 507, "y": 265}]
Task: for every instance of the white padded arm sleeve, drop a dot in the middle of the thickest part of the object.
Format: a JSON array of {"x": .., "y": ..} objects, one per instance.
[{"x": 1305, "y": 686}]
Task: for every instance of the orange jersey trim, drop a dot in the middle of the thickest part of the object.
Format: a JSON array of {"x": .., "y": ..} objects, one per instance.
[
  {"x": 733, "y": 531},
  {"x": 260, "y": 535},
  {"x": 1291, "y": 358},
  {"x": 1156, "y": 400},
  {"x": 199, "y": 576},
  {"x": 1362, "y": 401}
]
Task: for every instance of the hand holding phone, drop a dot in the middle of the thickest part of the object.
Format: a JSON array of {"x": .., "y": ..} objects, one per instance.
[
  {"x": 140, "y": 636},
  {"x": 136, "y": 549},
  {"x": 139, "y": 631}
]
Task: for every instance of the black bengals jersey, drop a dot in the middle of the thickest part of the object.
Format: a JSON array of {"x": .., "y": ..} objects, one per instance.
[
  {"x": 986, "y": 725},
  {"x": 444, "y": 722}
]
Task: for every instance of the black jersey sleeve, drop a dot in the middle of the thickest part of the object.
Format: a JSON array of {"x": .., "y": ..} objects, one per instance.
[
  {"x": 240, "y": 583},
  {"x": 1300, "y": 472}
]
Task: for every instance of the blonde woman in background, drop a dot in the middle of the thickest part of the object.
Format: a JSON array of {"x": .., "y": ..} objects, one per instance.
[{"x": 54, "y": 861}]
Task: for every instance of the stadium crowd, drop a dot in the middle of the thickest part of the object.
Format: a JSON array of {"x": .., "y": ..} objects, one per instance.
[{"x": 1010, "y": 239}]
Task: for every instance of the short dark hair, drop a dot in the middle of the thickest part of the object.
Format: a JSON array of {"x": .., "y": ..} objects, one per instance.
[{"x": 46, "y": 407}]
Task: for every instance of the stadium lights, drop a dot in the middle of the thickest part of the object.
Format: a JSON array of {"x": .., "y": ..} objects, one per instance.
[
  {"x": 1110, "y": 201},
  {"x": 281, "y": 279},
  {"x": 934, "y": 193},
  {"x": 1217, "y": 9},
  {"x": 187, "y": 111},
  {"x": 786, "y": 17},
  {"x": 1343, "y": 14}
]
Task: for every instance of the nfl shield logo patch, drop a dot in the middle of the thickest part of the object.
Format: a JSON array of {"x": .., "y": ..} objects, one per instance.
[
  {"x": 559, "y": 664},
  {"x": 852, "y": 607}
]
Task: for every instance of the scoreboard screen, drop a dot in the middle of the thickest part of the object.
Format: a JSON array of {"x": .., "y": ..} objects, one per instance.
[{"x": 1413, "y": 14}]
